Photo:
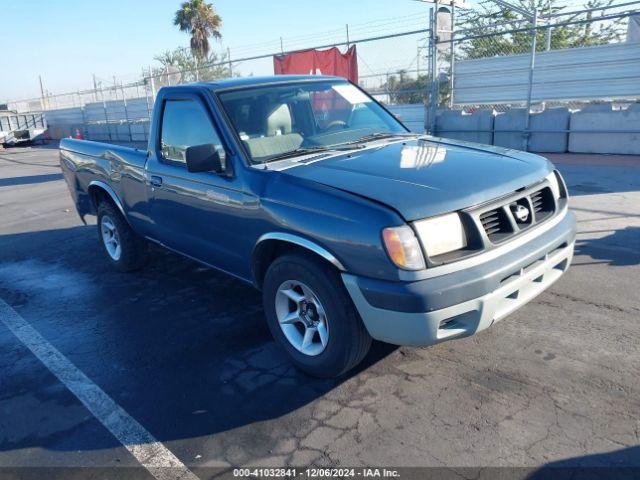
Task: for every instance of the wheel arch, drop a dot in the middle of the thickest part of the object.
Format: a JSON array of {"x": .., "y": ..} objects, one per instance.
[
  {"x": 98, "y": 190},
  {"x": 271, "y": 245}
]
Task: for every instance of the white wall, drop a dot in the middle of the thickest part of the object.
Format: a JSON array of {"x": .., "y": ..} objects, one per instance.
[{"x": 605, "y": 71}]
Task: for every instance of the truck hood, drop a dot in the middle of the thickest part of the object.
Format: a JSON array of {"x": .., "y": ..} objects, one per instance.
[{"x": 424, "y": 177}]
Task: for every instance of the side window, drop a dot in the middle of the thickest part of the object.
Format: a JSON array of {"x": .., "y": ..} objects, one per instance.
[{"x": 185, "y": 123}]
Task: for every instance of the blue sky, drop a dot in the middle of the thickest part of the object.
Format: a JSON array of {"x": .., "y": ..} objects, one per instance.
[{"x": 66, "y": 41}]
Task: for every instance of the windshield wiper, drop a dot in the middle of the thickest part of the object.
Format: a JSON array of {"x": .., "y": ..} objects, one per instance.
[
  {"x": 380, "y": 135},
  {"x": 295, "y": 153},
  {"x": 314, "y": 149}
]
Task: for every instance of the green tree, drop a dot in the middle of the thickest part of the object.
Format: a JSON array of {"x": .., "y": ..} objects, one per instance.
[
  {"x": 181, "y": 66},
  {"x": 490, "y": 18},
  {"x": 199, "y": 19},
  {"x": 403, "y": 89}
]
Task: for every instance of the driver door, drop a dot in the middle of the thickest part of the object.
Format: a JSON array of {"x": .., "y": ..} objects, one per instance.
[{"x": 196, "y": 214}]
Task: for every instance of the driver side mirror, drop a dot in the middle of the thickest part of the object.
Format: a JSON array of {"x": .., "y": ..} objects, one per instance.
[{"x": 205, "y": 158}]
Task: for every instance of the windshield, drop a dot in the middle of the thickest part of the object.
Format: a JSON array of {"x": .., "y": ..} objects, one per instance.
[{"x": 279, "y": 121}]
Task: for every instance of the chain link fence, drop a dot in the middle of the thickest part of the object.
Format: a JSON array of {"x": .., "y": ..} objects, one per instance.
[
  {"x": 478, "y": 39},
  {"x": 490, "y": 58},
  {"x": 539, "y": 77}
]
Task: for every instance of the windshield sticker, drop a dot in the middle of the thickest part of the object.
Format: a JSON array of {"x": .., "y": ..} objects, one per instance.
[{"x": 351, "y": 94}]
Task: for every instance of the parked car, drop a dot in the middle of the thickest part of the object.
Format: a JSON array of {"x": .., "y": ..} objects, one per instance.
[{"x": 352, "y": 227}]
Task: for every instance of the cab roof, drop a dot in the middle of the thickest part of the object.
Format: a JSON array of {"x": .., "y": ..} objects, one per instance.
[{"x": 239, "y": 82}]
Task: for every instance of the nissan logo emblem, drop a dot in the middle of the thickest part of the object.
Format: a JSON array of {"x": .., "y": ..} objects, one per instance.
[{"x": 521, "y": 213}]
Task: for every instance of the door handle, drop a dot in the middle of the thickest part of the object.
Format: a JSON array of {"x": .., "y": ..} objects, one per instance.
[{"x": 155, "y": 181}]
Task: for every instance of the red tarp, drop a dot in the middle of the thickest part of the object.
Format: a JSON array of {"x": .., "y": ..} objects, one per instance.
[{"x": 319, "y": 62}]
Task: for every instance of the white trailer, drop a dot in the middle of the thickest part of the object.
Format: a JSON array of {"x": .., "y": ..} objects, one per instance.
[{"x": 16, "y": 128}]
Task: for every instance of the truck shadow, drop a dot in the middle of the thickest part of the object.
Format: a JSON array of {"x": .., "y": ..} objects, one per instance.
[
  {"x": 594, "y": 180},
  {"x": 619, "y": 248},
  {"x": 182, "y": 348},
  {"x": 30, "y": 180},
  {"x": 618, "y": 464}
]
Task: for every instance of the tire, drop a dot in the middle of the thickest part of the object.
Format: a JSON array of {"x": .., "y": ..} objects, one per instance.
[
  {"x": 131, "y": 253},
  {"x": 345, "y": 341}
]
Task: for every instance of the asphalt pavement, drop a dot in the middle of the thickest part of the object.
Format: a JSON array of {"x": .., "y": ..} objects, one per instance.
[{"x": 184, "y": 353}]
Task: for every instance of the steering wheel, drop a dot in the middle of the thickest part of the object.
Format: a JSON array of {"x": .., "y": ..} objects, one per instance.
[{"x": 336, "y": 124}]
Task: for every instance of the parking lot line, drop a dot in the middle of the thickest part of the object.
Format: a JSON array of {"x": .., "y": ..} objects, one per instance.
[{"x": 148, "y": 451}]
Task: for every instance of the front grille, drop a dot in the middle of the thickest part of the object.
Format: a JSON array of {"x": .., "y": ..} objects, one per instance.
[
  {"x": 495, "y": 224},
  {"x": 517, "y": 213},
  {"x": 543, "y": 204},
  {"x": 536, "y": 199}
]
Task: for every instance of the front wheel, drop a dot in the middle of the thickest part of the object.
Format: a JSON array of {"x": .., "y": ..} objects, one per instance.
[
  {"x": 125, "y": 249},
  {"x": 311, "y": 316}
]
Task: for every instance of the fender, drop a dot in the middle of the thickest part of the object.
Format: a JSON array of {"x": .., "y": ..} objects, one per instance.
[
  {"x": 302, "y": 242},
  {"x": 110, "y": 192}
]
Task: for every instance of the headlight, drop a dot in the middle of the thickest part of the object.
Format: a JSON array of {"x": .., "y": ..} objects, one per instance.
[
  {"x": 403, "y": 247},
  {"x": 441, "y": 234},
  {"x": 555, "y": 184}
]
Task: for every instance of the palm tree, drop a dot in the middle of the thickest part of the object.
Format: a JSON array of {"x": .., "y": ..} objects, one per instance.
[{"x": 200, "y": 20}]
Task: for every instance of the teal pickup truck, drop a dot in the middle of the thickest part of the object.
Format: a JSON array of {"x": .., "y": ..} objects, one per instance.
[{"x": 351, "y": 226}]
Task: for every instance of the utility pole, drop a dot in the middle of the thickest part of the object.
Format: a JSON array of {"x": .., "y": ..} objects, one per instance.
[
  {"x": 533, "y": 19},
  {"x": 548, "y": 46},
  {"x": 433, "y": 47},
  {"x": 452, "y": 60},
  {"x": 229, "y": 58},
  {"x": 152, "y": 85},
  {"x": 106, "y": 114},
  {"x": 347, "y": 27},
  {"x": 95, "y": 88},
  {"x": 532, "y": 64},
  {"x": 42, "y": 98},
  {"x": 433, "y": 88},
  {"x": 548, "y": 32},
  {"x": 126, "y": 112},
  {"x": 148, "y": 86}
]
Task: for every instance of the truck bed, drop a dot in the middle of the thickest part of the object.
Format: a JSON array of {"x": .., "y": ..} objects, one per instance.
[
  {"x": 102, "y": 150},
  {"x": 85, "y": 163}
]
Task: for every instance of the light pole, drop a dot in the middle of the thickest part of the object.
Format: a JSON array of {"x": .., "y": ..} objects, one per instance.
[{"x": 434, "y": 39}]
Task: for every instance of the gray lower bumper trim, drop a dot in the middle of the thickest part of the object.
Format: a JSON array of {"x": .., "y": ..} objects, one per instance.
[{"x": 466, "y": 318}]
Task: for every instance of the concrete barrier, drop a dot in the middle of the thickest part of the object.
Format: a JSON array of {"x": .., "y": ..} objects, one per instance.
[
  {"x": 140, "y": 132},
  {"x": 474, "y": 127},
  {"x": 117, "y": 132},
  {"x": 543, "y": 127},
  {"x": 412, "y": 115},
  {"x": 98, "y": 132},
  {"x": 508, "y": 127},
  {"x": 595, "y": 129},
  {"x": 603, "y": 130}
]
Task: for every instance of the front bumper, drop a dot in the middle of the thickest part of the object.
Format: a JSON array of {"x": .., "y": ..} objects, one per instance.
[{"x": 467, "y": 301}]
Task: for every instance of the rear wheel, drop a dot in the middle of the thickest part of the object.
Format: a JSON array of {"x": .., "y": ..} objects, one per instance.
[
  {"x": 125, "y": 249},
  {"x": 311, "y": 316}
]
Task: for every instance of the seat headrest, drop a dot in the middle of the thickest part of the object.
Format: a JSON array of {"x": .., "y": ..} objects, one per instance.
[{"x": 279, "y": 121}]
